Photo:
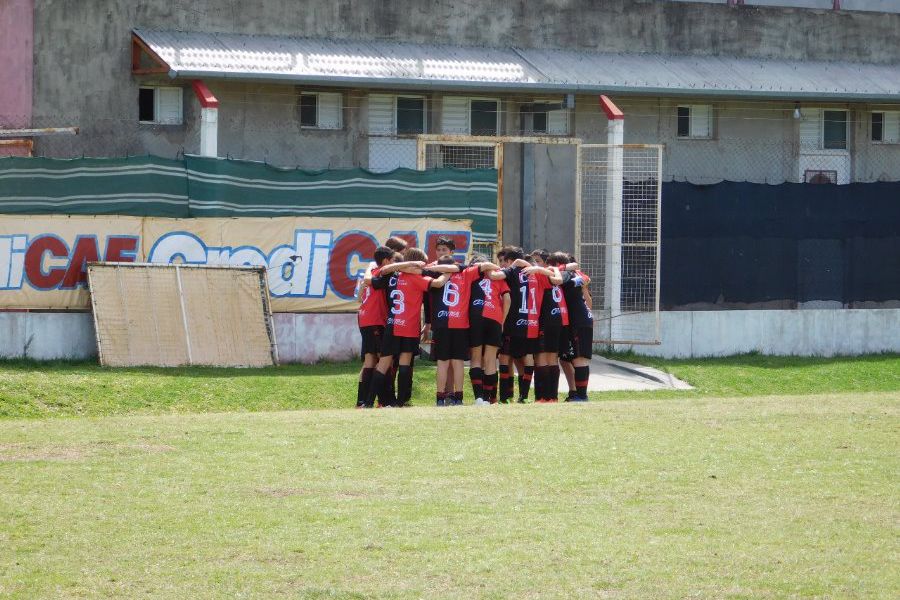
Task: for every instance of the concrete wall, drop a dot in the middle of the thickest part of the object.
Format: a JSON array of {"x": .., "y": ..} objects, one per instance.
[
  {"x": 309, "y": 338},
  {"x": 779, "y": 332},
  {"x": 16, "y": 50},
  {"x": 305, "y": 338},
  {"x": 82, "y": 51}
]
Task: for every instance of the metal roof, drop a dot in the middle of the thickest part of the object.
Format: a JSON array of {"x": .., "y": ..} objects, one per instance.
[{"x": 428, "y": 66}]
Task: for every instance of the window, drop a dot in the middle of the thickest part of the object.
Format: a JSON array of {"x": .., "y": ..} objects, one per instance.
[
  {"x": 548, "y": 117},
  {"x": 886, "y": 127},
  {"x": 410, "y": 115},
  {"x": 320, "y": 110},
  {"x": 160, "y": 105},
  {"x": 834, "y": 129},
  {"x": 695, "y": 121},
  {"x": 484, "y": 117},
  {"x": 470, "y": 116}
]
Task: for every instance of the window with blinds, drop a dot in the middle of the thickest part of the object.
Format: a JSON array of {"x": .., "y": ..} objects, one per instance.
[
  {"x": 321, "y": 110},
  {"x": 695, "y": 121},
  {"x": 886, "y": 127},
  {"x": 160, "y": 105}
]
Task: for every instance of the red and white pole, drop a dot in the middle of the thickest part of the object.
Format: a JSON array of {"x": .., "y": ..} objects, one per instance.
[
  {"x": 615, "y": 138},
  {"x": 209, "y": 119}
]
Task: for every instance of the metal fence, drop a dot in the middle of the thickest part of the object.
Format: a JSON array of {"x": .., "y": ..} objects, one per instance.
[{"x": 620, "y": 239}]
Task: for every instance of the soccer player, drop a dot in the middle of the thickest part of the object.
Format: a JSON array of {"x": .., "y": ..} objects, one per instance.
[
  {"x": 488, "y": 309},
  {"x": 581, "y": 324},
  {"x": 450, "y": 325},
  {"x": 394, "y": 243},
  {"x": 520, "y": 329},
  {"x": 551, "y": 306},
  {"x": 405, "y": 291},
  {"x": 540, "y": 256},
  {"x": 372, "y": 318}
]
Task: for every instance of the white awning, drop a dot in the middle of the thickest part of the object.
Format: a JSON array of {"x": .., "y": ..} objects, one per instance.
[{"x": 425, "y": 66}]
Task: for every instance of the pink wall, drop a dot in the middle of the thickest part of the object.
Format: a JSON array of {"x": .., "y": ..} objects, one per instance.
[{"x": 16, "y": 61}]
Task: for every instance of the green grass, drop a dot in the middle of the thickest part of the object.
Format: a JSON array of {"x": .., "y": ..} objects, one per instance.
[
  {"x": 35, "y": 390},
  {"x": 773, "y": 497}
]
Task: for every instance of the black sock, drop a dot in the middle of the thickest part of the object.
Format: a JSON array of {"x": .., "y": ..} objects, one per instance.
[
  {"x": 490, "y": 387},
  {"x": 376, "y": 387},
  {"x": 476, "y": 374},
  {"x": 525, "y": 382},
  {"x": 506, "y": 383},
  {"x": 363, "y": 388},
  {"x": 553, "y": 387},
  {"x": 582, "y": 375},
  {"x": 404, "y": 385},
  {"x": 458, "y": 397},
  {"x": 391, "y": 397}
]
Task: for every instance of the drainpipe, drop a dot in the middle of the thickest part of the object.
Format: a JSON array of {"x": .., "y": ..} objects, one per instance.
[
  {"x": 209, "y": 119},
  {"x": 615, "y": 137}
]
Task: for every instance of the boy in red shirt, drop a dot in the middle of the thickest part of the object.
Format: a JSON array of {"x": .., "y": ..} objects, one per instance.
[
  {"x": 403, "y": 329},
  {"x": 450, "y": 325},
  {"x": 553, "y": 319},
  {"x": 488, "y": 309},
  {"x": 371, "y": 318}
]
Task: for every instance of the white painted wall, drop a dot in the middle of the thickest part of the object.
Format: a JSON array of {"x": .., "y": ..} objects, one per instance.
[
  {"x": 311, "y": 337},
  {"x": 811, "y": 332}
]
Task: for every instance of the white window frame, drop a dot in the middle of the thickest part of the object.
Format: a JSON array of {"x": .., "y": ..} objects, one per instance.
[
  {"x": 156, "y": 107},
  {"x": 340, "y": 110},
  {"x": 424, "y": 100},
  {"x": 886, "y": 116},
  {"x": 691, "y": 135},
  {"x": 566, "y": 111}
]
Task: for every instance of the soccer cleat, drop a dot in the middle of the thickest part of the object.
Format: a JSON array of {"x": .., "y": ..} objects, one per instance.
[
  {"x": 481, "y": 402},
  {"x": 440, "y": 402}
]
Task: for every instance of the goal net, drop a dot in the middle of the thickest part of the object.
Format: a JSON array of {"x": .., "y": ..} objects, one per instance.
[{"x": 174, "y": 315}]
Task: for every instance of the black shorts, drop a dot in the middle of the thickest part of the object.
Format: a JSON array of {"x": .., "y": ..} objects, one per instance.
[
  {"x": 551, "y": 339},
  {"x": 566, "y": 349},
  {"x": 392, "y": 345},
  {"x": 372, "y": 337},
  {"x": 450, "y": 344},
  {"x": 517, "y": 347},
  {"x": 581, "y": 340},
  {"x": 485, "y": 332}
]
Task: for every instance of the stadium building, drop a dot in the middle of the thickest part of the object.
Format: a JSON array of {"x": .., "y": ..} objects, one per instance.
[{"x": 761, "y": 94}]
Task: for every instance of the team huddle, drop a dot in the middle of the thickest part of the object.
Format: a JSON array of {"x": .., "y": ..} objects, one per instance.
[{"x": 529, "y": 313}]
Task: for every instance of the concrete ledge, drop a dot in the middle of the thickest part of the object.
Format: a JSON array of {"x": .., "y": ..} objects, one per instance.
[{"x": 816, "y": 332}]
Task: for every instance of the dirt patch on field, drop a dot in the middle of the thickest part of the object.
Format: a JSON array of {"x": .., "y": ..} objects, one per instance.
[
  {"x": 33, "y": 453},
  {"x": 275, "y": 492}
]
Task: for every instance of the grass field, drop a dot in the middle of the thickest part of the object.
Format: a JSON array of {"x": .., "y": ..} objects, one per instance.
[
  {"x": 719, "y": 492},
  {"x": 32, "y": 390}
]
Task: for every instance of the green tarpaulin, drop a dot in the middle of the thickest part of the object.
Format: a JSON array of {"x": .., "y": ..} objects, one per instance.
[{"x": 207, "y": 187}]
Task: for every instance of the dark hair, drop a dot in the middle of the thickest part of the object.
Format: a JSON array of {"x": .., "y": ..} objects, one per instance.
[
  {"x": 398, "y": 257},
  {"x": 513, "y": 252},
  {"x": 414, "y": 254},
  {"x": 477, "y": 259},
  {"x": 446, "y": 260},
  {"x": 396, "y": 244},
  {"x": 383, "y": 253},
  {"x": 445, "y": 241},
  {"x": 558, "y": 258},
  {"x": 542, "y": 253}
]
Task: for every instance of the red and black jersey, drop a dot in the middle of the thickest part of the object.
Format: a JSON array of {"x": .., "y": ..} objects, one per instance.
[
  {"x": 525, "y": 307},
  {"x": 487, "y": 299},
  {"x": 450, "y": 304},
  {"x": 580, "y": 314},
  {"x": 553, "y": 309},
  {"x": 373, "y": 310},
  {"x": 404, "y": 299}
]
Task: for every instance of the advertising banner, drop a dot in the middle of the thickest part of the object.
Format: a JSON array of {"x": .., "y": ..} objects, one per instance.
[{"x": 312, "y": 264}]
